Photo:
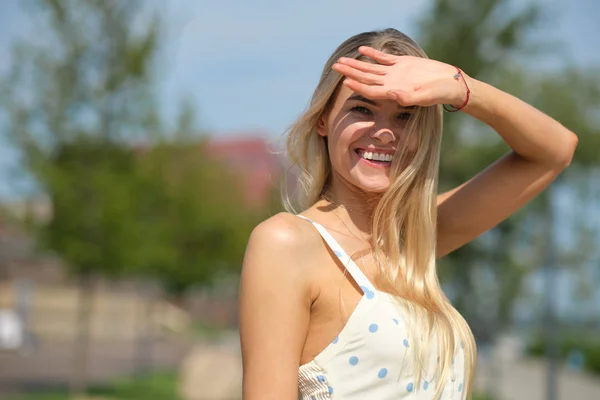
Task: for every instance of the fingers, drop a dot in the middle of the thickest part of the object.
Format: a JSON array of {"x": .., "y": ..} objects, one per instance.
[
  {"x": 369, "y": 91},
  {"x": 357, "y": 75},
  {"x": 379, "y": 56},
  {"x": 402, "y": 97},
  {"x": 418, "y": 97},
  {"x": 363, "y": 66}
]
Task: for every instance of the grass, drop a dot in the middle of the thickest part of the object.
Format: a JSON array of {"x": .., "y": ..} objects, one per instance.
[
  {"x": 41, "y": 396},
  {"x": 156, "y": 386},
  {"x": 206, "y": 331},
  {"x": 481, "y": 396}
]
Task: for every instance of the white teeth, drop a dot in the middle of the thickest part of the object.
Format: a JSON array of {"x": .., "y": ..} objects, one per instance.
[{"x": 377, "y": 156}]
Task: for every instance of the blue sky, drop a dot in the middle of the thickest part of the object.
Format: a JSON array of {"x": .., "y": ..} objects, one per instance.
[{"x": 280, "y": 47}]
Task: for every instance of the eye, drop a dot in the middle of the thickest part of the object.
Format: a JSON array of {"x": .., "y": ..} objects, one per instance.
[
  {"x": 405, "y": 116},
  {"x": 361, "y": 110}
]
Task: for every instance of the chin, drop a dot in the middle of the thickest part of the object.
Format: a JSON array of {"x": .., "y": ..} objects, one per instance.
[{"x": 373, "y": 186}]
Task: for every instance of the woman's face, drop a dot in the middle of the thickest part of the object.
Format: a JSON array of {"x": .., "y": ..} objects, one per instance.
[{"x": 363, "y": 136}]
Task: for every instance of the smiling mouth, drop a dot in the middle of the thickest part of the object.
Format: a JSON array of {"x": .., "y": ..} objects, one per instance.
[{"x": 380, "y": 159}]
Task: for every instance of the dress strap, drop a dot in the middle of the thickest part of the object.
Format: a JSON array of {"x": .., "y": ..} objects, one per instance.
[{"x": 356, "y": 273}]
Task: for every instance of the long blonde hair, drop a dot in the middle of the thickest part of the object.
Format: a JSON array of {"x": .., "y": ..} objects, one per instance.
[{"x": 404, "y": 219}]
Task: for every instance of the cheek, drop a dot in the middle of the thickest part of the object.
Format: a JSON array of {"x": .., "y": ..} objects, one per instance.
[
  {"x": 341, "y": 145},
  {"x": 344, "y": 136}
]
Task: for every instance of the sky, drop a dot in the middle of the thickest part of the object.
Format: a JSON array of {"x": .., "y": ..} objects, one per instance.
[
  {"x": 250, "y": 67},
  {"x": 282, "y": 46}
]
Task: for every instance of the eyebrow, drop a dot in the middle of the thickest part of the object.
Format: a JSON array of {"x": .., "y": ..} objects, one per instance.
[{"x": 362, "y": 98}]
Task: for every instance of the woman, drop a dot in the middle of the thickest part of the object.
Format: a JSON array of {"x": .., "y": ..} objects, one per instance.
[{"x": 342, "y": 300}]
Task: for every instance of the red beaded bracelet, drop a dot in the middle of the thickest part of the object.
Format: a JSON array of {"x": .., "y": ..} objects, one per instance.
[{"x": 457, "y": 76}]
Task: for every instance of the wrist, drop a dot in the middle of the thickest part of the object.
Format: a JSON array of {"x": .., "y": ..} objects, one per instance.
[
  {"x": 483, "y": 104},
  {"x": 473, "y": 85},
  {"x": 461, "y": 91}
]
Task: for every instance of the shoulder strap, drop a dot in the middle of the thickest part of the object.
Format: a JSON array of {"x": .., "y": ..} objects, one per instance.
[{"x": 360, "y": 278}]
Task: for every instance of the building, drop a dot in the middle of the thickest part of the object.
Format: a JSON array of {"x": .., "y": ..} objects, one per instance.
[{"x": 259, "y": 165}]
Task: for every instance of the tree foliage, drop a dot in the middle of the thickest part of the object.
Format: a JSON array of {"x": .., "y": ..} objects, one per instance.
[
  {"x": 491, "y": 40},
  {"x": 129, "y": 198},
  {"x": 194, "y": 218}
]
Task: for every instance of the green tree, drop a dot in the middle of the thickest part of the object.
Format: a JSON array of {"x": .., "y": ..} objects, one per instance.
[
  {"x": 196, "y": 221},
  {"x": 483, "y": 38},
  {"x": 489, "y": 40},
  {"x": 88, "y": 96},
  {"x": 162, "y": 210},
  {"x": 193, "y": 223}
]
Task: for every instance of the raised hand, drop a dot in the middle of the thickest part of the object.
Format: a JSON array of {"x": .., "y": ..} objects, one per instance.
[{"x": 406, "y": 79}]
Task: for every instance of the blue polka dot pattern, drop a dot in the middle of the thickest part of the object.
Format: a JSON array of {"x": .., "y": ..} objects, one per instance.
[
  {"x": 356, "y": 340},
  {"x": 368, "y": 292}
]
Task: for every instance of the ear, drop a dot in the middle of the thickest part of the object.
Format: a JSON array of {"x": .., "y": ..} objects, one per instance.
[{"x": 322, "y": 125}]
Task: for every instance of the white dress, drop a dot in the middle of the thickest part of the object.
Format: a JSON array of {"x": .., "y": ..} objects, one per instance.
[{"x": 369, "y": 358}]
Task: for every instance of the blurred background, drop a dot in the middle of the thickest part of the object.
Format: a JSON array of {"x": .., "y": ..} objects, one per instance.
[{"x": 141, "y": 141}]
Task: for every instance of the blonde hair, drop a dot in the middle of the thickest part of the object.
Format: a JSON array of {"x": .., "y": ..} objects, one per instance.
[{"x": 404, "y": 219}]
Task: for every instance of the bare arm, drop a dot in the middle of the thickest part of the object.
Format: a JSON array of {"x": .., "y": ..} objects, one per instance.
[
  {"x": 275, "y": 299},
  {"x": 541, "y": 149}
]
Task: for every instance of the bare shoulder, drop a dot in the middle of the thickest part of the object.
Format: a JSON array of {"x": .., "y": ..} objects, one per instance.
[
  {"x": 276, "y": 293},
  {"x": 283, "y": 244},
  {"x": 284, "y": 231}
]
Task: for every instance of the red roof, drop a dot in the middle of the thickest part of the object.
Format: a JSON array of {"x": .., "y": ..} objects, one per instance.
[{"x": 259, "y": 166}]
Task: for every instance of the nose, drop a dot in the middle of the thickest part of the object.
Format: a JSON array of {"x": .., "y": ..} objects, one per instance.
[{"x": 383, "y": 135}]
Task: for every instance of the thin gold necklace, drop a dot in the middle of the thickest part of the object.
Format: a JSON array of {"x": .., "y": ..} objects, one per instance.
[
  {"x": 326, "y": 197},
  {"x": 367, "y": 242},
  {"x": 341, "y": 219}
]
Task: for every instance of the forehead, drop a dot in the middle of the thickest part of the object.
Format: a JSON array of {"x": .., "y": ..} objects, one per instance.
[{"x": 343, "y": 94}]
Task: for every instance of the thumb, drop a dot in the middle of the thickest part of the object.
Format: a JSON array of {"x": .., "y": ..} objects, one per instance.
[
  {"x": 391, "y": 95},
  {"x": 400, "y": 96}
]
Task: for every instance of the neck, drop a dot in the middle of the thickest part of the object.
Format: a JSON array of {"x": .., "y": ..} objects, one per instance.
[{"x": 351, "y": 206}]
